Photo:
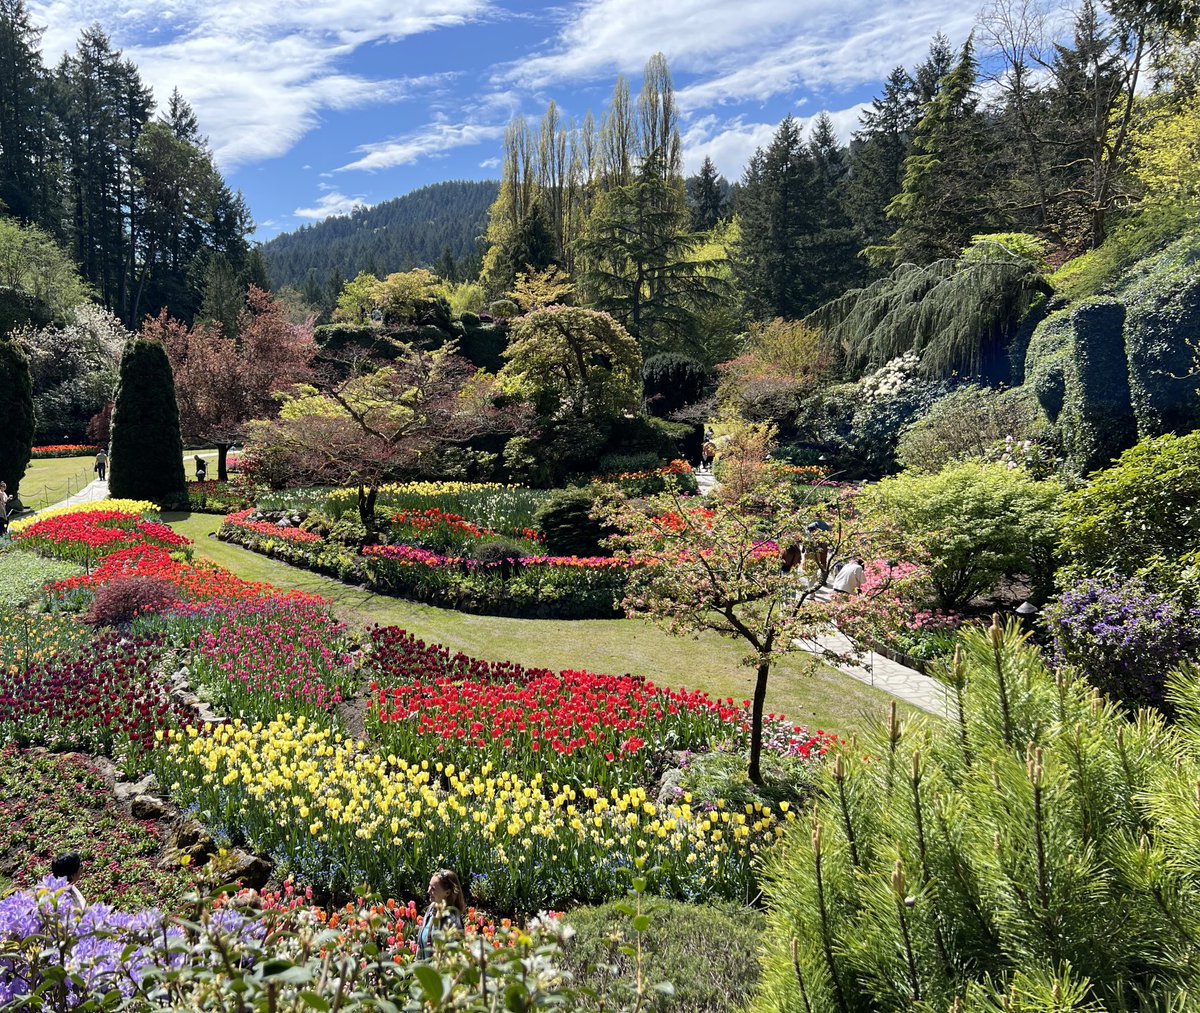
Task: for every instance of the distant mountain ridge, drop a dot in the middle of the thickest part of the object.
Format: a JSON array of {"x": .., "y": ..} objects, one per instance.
[{"x": 397, "y": 235}]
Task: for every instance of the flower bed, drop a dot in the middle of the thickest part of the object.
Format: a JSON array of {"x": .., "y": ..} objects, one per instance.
[
  {"x": 572, "y": 727},
  {"x": 325, "y": 807},
  {"x": 27, "y": 640},
  {"x": 215, "y": 497},
  {"x": 652, "y": 481},
  {"x": 141, "y": 507},
  {"x": 84, "y": 537},
  {"x": 107, "y": 702},
  {"x": 260, "y": 657},
  {"x": 63, "y": 450},
  {"x": 434, "y": 528},
  {"x": 535, "y": 587},
  {"x": 51, "y": 805}
]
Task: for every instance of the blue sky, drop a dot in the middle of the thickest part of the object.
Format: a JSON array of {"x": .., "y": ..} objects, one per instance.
[{"x": 312, "y": 106}]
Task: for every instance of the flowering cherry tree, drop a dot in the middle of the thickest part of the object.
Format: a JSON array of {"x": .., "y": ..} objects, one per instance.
[{"x": 733, "y": 569}]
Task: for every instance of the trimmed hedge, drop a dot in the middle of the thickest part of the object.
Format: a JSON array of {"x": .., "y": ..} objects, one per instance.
[
  {"x": 16, "y": 415},
  {"x": 1163, "y": 300},
  {"x": 1098, "y": 421},
  {"x": 1048, "y": 361}
]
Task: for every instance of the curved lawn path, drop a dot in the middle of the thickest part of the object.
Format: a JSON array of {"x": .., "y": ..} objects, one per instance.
[{"x": 808, "y": 692}]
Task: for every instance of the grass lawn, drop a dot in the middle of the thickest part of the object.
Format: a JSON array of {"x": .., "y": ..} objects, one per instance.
[
  {"x": 51, "y": 480},
  {"x": 814, "y": 694}
]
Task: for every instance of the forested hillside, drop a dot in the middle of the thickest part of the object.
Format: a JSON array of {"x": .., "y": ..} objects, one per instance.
[{"x": 410, "y": 231}]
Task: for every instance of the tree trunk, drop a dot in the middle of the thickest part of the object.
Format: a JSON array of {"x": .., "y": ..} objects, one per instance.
[
  {"x": 756, "y": 719},
  {"x": 366, "y": 506},
  {"x": 222, "y": 460}
]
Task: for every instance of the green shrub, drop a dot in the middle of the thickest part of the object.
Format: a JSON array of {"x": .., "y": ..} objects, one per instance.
[
  {"x": 497, "y": 551},
  {"x": 1163, "y": 301},
  {"x": 721, "y": 776},
  {"x": 1098, "y": 420},
  {"x": 1048, "y": 361},
  {"x": 971, "y": 523},
  {"x": 147, "y": 449},
  {"x": 671, "y": 381},
  {"x": 1145, "y": 505},
  {"x": 1039, "y": 855},
  {"x": 504, "y": 309},
  {"x": 707, "y": 952},
  {"x": 967, "y": 423},
  {"x": 16, "y": 414},
  {"x": 348, "y": 531},
  {"x": 565, "y": 521}
]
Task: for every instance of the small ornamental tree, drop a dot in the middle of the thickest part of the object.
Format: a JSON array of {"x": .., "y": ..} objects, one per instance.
[
  {"x": 369, "y": 423},
  {"x": 971, "y": 524},
  {"x": 222, "y": 383},
  {"x": 16, "y": 414},
  {"x": 719, "y": 568},
  {"x": 146, "y": 455}
]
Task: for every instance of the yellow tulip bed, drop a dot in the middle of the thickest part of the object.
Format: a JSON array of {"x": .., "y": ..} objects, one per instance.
[{"x": 335, "y": 813}]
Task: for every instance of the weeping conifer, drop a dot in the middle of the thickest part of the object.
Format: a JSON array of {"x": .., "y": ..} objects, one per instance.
[
  {"x": 958, "y": 315},
  {"x": 1043, "y": 854}
]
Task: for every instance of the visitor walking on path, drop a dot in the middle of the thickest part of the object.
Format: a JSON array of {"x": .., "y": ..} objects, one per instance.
[
  {"x": 100, "y": 465},
  {"x": 4, "y": 498},
  {"x": 201, "y": 468},
  {"x": 447, "y": 905}
]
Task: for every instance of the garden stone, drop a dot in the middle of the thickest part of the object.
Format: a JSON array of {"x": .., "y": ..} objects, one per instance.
[
  {"x": 126, "y": 790},
  {"x": 147, "y": 807},
  {"x": 249, "y": 870},
  {"x": 668, "y": 789}
]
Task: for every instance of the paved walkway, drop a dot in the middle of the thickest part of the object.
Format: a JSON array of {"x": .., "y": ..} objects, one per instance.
[
  {"x": 706, "y": 482},
  {"x": 902, "y": 682},
  {"x": 94, "y": 490}
]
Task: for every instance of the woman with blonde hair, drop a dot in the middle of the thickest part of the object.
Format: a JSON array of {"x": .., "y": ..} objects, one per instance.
[{"x": 447, "y": 905}]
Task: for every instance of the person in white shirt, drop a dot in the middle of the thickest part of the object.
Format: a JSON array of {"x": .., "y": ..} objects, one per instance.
[{"x": 850, "y": 577}]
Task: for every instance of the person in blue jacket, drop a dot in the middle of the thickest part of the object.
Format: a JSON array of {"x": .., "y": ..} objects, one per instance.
[{"x": 447, "y": 905}]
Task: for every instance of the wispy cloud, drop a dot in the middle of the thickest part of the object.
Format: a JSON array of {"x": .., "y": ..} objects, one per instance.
[
  {"x": 331, "y": 203},
  {"x": 259, "y": 73},
  {"x": 749, "y": 50},
  {"x": 431, "y": 140}
]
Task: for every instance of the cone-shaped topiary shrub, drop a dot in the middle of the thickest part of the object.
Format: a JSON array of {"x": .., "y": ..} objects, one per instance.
[
  {"x": 147, "y": 449},
  {"x": 1042, "y": 852},
  {"x": 16, "y": 414}
]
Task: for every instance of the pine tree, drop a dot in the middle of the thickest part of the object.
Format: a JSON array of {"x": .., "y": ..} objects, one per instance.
[
  {"x": 223, "y": 296},
  {"x": 777, "y": 207},
  {"x": 836, "y": 265},
  {"x": 707, "y": 196},
  {"x": 146, "y": 454},
  {"x": 640, "y": 264},
  {"x": 16, "y": 414},
  {"x": 944, "y": 199},
  {"x": 22, "y": 84},
  {"x": 446, "y": 268},
  {"x": 877, "y": 156}
]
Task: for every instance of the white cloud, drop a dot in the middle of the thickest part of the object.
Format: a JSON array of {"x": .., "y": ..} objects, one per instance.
[
  {"x": 259, "y": 72},
  {"x": 332, "y": 203},
  {"x": 431, "y": 140},
  {"x": 747, "y": 50},
  {"x": 490, "y": 163}
]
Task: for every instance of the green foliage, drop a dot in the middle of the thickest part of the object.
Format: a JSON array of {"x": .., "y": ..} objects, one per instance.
[
  {"x": 1146, "y": 505},
  {"x": 32, "y": 264},
  {"x": 1162, "y": 296},
  {"x": 1035, "y": 249},
  {"x": 958, "y": 315},
  {"x": 1048, "y": 362},
  {"x": 357, "y": 299},
  {"x": 971, "y": 523},
  {"x": 708, "y": 952},
  {"x": 1039, "y": 854},
  {"x": 1098, "y": 420},
  {"x": 671, "y": 381},
  {"x": 503, "y": 309},
  {"x": 23, "y": 575},
  {"x": 147, "y": 449},
  {"x": 565, "y": 521},
  {"x": 16, "y": 414},
  {"x": 968, "y": 423}
]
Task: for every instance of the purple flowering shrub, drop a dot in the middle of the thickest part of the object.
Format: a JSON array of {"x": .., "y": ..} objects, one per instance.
[
  {"x": 53, "y": 955},
  {"x": 1124, "y": 636}
]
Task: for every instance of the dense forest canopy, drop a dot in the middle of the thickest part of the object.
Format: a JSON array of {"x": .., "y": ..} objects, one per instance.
[{"x": 416, "y": 230}]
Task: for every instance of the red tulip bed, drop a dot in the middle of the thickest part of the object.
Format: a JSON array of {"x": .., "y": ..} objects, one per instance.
[
  {"x": 87, "y": 536},
  {"x": 434, "y": 528},
  {"x": 574, "y": 727},
  {"x": 63, "y": 450}
]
